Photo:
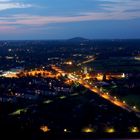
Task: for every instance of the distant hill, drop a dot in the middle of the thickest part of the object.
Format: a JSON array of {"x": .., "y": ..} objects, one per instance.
[{"x": 78, "y": 39}]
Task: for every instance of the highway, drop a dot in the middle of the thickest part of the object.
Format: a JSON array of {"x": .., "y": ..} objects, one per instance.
[{"x": 97, "y": 91}]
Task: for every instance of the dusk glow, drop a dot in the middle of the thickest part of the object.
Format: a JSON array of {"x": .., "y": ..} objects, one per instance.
[{"x": 68, "y": 18}]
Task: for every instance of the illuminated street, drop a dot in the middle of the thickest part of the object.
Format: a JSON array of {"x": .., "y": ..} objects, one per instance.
[
  {"x": 45, "y": 73},
  {"x": 70, "y": 87},
  {"x": 106, "y": 96}
]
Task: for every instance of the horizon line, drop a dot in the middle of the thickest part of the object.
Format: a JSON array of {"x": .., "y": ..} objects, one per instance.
[{"x": 84, "y": 38}]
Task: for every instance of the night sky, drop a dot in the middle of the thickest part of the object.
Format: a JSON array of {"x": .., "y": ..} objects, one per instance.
[{"x": 62, "y": 19}]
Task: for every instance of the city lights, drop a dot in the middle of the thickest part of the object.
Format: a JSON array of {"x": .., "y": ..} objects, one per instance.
[
  {"x": 66, "y": 131},
  {"x": 124, "y": 102},
  {"x": 70, "y": 93},
  {"x": 44, "y": 129},
  {"x": 110, "y": 130},
  {"x": 134, "y": 129},
  {"x": 88, "y": 130},
  {"x": 123, "y": 75},
  {"x": 134, "y": 107},
  {"x": 69, "y": 63}
]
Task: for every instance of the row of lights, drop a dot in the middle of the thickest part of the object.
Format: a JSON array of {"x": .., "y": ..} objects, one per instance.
[
  {"x": 124, "y": 102},
  {"x": 91, "y": 130}
]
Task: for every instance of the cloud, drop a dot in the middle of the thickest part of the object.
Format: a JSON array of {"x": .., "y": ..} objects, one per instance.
[
  {"x": 119, "y": 5},
  {"x": 9, "y": 4},
  {"x": 110, "y": 10},
  {"x": 4, "y": 29},
  {"x": 31, "y": 20},
  {"x": 35, "y": 20},
  {"x": 4, "y": 0}
]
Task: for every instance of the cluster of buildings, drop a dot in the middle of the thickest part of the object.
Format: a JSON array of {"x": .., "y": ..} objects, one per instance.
[{"x": 31, "y": 89}]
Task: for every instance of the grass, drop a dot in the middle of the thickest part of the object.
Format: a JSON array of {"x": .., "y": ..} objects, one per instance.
[
  {"x": 133, "y": 100},
  {"x": 116, "y": 64}
]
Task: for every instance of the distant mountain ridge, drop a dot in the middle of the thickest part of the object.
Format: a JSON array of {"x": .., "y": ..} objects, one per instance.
[{"x": 78, "y": 39}]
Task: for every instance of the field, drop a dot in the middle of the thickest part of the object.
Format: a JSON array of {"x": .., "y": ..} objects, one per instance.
[
  {"x": 123, "y": 65},
  {"x": 133, "y": 100},
  {"x": 116, "y": 64}
]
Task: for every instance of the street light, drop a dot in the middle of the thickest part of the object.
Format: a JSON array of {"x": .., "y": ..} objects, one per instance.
[
  {"x": 124, "y": 102},
  {"x": 65, "y": 130},
  {"x": 115, "y": 97},
  {"x": 88, "y": 130},
  {"x": 134, "y": 107},
  {"x": 110, "y": 130},
  {"x": 134, "y": 129},
  {"x": 44, "y": 129}
]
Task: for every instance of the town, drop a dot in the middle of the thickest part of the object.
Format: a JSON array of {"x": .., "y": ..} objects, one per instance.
[{"x": 70, "y": 87}]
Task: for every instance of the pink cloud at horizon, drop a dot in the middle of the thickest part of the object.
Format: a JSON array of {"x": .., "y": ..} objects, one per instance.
[{"x": 43, "y": 20}]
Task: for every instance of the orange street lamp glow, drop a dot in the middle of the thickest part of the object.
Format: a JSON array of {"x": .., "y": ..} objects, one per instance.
[{"x": 44, "y": 129}]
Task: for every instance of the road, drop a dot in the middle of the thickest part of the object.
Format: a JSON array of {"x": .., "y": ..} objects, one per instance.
[
  {"x": 97, "y": 91},
  {"x": 87, "y": 61},
  {"x": 87, "y": 85}
]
